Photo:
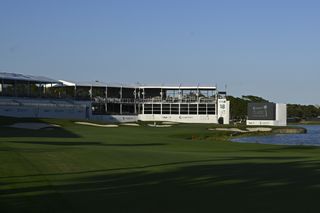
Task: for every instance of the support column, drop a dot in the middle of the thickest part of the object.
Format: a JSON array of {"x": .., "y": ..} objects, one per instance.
[
  {"x": 91, "y": 92},
  {"x": 121, "y": 101},
  {"x": 51, "y": 90},
  {"x": 134, "y": 101},
  {"x": 216, "y": 104},
  {"x": 44, "y": 90},
  {"x": 198, "y": 108},
  {"x": 15, "y": 88},
  {"x": 206, "y": 108},
  {"x": 29, "y": 89},
  {"x": 143, "y": 94},
  {"x": 197, "y": 94},
  {"x": 2, "y": 88},
  {"x": 106, "y": 100},
  {"x": 152, "y": 108},
  {"x": 39, "y": 89},
  {"x": 142, "y": 109},
  {"x": 75, "y": 92}
]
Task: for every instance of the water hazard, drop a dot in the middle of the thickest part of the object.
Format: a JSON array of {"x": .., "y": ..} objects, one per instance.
[{"x": 312, "y": 138}]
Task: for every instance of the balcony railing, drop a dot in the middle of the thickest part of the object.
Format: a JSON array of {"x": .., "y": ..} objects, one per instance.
[{"x": 155, "y": 100}]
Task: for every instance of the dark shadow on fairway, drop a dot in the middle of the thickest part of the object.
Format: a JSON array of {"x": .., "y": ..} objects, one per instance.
[
  {"x": 11, "y": 120},
  {"x": 48, "y": 133},
  {"x": 71, "y": 143},
  {"x": 287, "y": 148},
  {"x": 229, "y": 187},
  {"x": 178, "y": 163}
]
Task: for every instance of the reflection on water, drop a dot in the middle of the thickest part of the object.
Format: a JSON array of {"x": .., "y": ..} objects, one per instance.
[{"x": 312, "y": 138}]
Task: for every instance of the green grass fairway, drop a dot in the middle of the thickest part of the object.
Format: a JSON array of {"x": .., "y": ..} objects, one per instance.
[{"x": 185, "y": 168}]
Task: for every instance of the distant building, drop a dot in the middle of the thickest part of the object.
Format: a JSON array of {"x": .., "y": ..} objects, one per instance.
[{"x": 267, "y": 114}]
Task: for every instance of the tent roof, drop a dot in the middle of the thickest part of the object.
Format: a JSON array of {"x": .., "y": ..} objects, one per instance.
[
  {"x": 95, "y": 84},
  {"x": 22, "y": 77}
]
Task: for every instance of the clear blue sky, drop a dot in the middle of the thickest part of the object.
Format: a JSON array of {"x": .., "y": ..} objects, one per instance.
[{"x": 269, "y": 48}]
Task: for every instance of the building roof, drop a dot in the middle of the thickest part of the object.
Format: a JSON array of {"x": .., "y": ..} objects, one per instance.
[
  {"x": 84, "y": 84},
  {"x": 103, "y": 84},
  {"x": 180, "y": 87},
  {"x": 95, "y": 84},
  {"x": 41, "y": 79},
  {"x": 22, "y": 77}
]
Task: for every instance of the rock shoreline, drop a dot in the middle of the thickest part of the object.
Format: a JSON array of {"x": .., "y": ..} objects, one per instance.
[
  {"x": 299, "y": 130},
  {"x": 277, "y": 130}
]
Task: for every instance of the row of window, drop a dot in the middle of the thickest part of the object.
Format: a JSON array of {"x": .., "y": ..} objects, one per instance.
[
  {"x": 182, "y": 109},
  {"x": 114, "y": 109}
]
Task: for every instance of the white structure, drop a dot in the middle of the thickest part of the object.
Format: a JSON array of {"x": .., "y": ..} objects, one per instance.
[
  {"x": 223, "y": 110},
  {"x": 42, "y": 108},
  {"x": 261, "y": 115},
  {"x": 40, "y": 97},
  {"x": 183, "y": 104}
]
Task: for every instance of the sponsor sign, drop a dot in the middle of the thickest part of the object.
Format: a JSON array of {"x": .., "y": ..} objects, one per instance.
[{"x": 261, "y": 111}]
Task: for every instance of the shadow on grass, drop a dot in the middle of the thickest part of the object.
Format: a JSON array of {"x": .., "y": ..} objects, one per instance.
[
  {"x": 49, "y": 133},
  {"x": 71, "y": 143},
  {"x": 280, "y": 148},
  {"x": 52, "y": 132},
  {"x": 12, "y": 120},
  {"x": 150, "y": 166},
  {"x": 229, "y": 187}
]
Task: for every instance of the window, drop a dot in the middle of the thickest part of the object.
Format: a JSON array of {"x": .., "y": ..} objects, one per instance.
[
  {"x": 165, "y": 108},
  {"x": 202, "y": 109},
  {"x": 211, "y": 109},
  {"x": 184, "y": 109},
  {"x": 147, "y": 109},
  {"x": 175, "y": 109},
  {"x": 156, "y": 109},
  {"x": 193, "y": 109}
]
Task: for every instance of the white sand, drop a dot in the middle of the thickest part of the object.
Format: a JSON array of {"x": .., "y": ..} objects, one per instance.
[
  {"x": 253, "y": 129},
  {"x": 97, "y": 125},
  {"x": 130, "y": 124},
  {"x": 229, "y": 129},
  {"x": 33, "y": 125},
  {"x": 169, "y": 122},
  {"x": 159, "y": 126},
  {"x": 259, "y": 129}
]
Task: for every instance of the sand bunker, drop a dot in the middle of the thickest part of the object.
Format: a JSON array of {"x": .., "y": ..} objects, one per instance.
[
  {"x": 33, "y": 126},
  {"x": 169, "y": 122},
  {"x": 253, "y": 129},
  {"x": 130, "y": 124},
  {"x": 229, "y": 129},
  {"x": 259, "y": 129},
  {"x": 159, "y": 125},
  {"x": 97, "y": 125}
]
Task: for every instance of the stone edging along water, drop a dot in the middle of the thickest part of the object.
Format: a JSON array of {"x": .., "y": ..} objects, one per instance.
[
  {"x": 291, "y": 130},
  {"x": 272, "y": 130}
]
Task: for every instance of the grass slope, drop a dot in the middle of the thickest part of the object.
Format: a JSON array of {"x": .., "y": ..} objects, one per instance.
[{"x": 185, "y": 168}]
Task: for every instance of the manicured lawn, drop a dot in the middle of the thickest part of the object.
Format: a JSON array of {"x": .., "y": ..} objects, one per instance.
[{"x": 185, "y": 168}]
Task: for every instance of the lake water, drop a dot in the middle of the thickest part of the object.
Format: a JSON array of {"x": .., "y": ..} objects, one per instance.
[{"x": 312, "y": 138}]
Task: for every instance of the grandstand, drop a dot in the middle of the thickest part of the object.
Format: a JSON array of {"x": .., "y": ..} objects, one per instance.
[
  {"x": 36, "y": 96},
  {"x": 40, "y": 97}
]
